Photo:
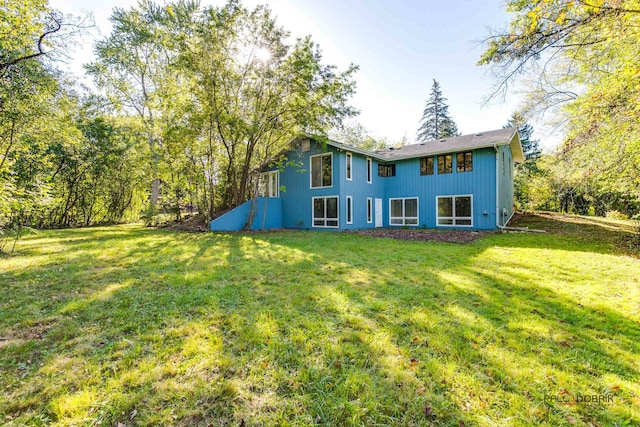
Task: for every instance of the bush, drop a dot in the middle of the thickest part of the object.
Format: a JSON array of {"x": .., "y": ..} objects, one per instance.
[{"x": 615, "y": 215}]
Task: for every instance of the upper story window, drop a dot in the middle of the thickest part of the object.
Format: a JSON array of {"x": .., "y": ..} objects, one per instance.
[
  {"x": 464, "y": 161},
  {"x": 322, "y": 170},
  {"x": 349, "y": 166},
  {"x": 426, "y": 166},
  {"x": 444, "y": 163},
  {"x": 369, "y": 171},
  {"x": 386, "y": 171}
]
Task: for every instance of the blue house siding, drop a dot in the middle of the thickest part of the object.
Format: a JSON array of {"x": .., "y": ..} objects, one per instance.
[
  {"x": 480, "y": 182},
  {"x": 268, "y": 215},
  {"x": 485, "y": 183},
  {"x": 359, "y": 189},
  {"x": 296, "y": 180},
  {"x": 505, "y": 184}
]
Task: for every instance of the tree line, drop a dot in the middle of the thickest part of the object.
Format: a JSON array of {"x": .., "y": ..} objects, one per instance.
[{"x": 192, "y": 103}]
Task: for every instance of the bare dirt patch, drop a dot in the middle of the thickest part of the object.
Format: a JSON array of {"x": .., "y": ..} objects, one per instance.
[{"x": 447, "y": 236}]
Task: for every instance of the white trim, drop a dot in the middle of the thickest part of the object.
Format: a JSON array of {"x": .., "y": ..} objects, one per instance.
[
  {"x": 311, "y": 170},
  {"x": 369, "y": 210},
  {"x": 349, "y": 167},
  {"x": 267, "y": 177},
  {"x": 313, "y": 218},
  {"x": 453, "y": 218},
  {"x": 348, "y": 205},
  {"x": 404, "y": 217},
  {"x": 369, "y": 170}
]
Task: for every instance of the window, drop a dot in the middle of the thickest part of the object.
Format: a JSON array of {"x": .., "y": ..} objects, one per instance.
[
  {"x": 349, "y": 166},
  {"x": 464, "y": 161},
  {"x": 386, "y": 171},
  {"x": 444, "y": 163},
  {"x": 305, "y": 145},
  {"x": 369, "y": 210},
  {"x": 321, "y": 170},
  {"x": 268, "y": 185},
  {"x": 510, "y": 167},
  {"x": 455, "y": 210},
  {"x": 369, "y": 170},
  {"x": 325, "y": 211},
  {"x": 503, "y": 163},
  {"x": 426, "y": 166},
  {"x": 349, "y": 210},
  {"x": 403, "y": 211}
]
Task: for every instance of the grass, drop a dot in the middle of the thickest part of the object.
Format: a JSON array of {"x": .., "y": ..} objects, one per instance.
[{"x": 140, "y": 326}]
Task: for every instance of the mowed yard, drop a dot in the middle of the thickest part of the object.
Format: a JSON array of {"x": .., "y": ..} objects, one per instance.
[{"x": 125, "y": 325}]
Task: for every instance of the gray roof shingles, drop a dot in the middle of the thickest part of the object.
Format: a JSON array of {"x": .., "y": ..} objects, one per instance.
[{"x": 447, "y": 145}]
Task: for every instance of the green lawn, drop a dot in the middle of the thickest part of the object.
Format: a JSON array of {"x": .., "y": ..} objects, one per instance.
[{"x": 140, "y": 326}]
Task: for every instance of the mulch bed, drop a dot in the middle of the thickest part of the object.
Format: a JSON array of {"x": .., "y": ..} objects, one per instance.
[{"x": 448, "y": 236}]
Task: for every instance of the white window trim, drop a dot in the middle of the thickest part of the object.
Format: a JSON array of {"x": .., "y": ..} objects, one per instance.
[
  {"x": 369, "y": 170},
  {"x": 311, "y": 170},
  {"x": 453, "y": 211},
  {"x": 347, "y": 169},
  {"x": 369, "y": 210},
  {"x": 313, "y": 218},
  {"x": 403, "y": 217},
  {"x": 346, "y": 210},
  {"x": 267, "y": 175}
]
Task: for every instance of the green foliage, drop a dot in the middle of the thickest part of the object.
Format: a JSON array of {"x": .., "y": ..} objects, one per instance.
[
  {"x": 123, "y": 324},
  {"x": 355, "y": 134},
  {"x": 436, "y": 122},
  {"x": 586, "y": 57}
]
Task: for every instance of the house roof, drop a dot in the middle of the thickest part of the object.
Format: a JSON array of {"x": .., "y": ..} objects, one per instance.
[{"x": 506, "y": 136}]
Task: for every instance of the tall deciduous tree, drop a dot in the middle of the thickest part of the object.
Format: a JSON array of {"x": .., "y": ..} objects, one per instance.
[
  {"x": 586, "y": 55},
  {"x": 134, "y": 67},
  {"x": 254, "y": 92},
  {"x": 436, "y": 122}
]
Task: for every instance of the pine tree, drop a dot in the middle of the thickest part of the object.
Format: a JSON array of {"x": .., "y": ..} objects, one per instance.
[
  {"x": 530, "y": 147},
  {"x": 436, "y": 122}
]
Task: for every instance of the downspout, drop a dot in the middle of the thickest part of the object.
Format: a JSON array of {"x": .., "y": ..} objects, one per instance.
[{"x": 495, "y": 148}]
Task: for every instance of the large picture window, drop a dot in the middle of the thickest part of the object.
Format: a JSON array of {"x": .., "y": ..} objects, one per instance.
[
  {"x": 321, "y": 170},
  {"x": 325, "y": 211},
  {"x": 403, "y": 211},
  {"x": 444, "y": 163},
  {"x": 464, "y": 162},
  {"x": 455, "y": 210}
]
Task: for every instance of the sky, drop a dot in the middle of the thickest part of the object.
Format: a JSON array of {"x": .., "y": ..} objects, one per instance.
[{"x": 400, "y": 46}]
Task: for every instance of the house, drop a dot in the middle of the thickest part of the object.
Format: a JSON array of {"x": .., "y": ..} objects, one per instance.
[{"x": 458, "y": 182}]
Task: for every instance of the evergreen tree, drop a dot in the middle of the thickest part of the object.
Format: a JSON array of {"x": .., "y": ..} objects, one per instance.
[
  {"x": 530, "y": 147},
  {"x": 436, "y": 122}
]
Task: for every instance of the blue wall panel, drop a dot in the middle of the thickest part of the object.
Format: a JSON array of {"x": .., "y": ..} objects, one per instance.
[
  {"x": 235, "y": 219},
  {"x": 296, "y": 194}
]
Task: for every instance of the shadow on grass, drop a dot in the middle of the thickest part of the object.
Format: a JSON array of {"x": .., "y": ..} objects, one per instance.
[{"x": 305, "y": 328}]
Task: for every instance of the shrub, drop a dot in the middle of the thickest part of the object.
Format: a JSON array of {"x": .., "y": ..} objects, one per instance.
[{"x": 615, "y": 215}]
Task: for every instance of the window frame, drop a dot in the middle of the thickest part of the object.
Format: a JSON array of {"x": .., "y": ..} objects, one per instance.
[
  {"x": 453, "y": 218},
  {"x": 390, "y": 167},
  {"x": 330, "y": 153},
  {"x": 369, "y": 170},
  {"x": 325, "y": 218},
  {"x": 369, "y": 210},
  {"x": 404, "y": 217},
  {"x": 349, "y": 167},
  {"x": 444, "y": 164},
  {"x": 426, "y": 161},
  {"x": 465, "y": 167},
  {"x": 267, "y": 176}
]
